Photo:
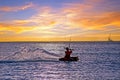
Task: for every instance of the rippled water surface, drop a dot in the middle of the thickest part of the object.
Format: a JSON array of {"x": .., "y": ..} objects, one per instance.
[{"x": 39, "y": 61}]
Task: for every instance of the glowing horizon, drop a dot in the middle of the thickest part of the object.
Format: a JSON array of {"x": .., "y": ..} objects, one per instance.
[{"x": 38, "y": 20}]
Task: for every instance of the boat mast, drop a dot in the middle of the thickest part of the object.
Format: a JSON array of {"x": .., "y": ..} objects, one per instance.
[{"x": 109, "y": 38}]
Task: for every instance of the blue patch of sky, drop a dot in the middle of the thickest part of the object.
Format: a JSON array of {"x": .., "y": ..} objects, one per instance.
[
  {"x": 115, "y": 5},
  {"x": 25, "y": 14},
  {"x": 12, "y": 2},
  {"x": 52, "y": 3},
  {"x": 108, "y": 5},
  {"x": 17, "y": 15}
]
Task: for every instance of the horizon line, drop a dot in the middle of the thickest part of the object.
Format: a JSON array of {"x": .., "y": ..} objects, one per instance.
[{"x": 58, "y": 41}]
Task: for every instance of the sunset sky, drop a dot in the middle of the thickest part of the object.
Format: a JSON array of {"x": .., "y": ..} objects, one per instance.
[{"x": 57, "y": 20}]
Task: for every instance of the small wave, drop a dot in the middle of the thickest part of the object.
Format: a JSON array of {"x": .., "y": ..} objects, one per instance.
[{"x": 28, "y": 54}]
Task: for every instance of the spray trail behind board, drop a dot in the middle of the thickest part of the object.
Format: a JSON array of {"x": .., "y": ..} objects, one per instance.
[{"x": 26, "y": 53}]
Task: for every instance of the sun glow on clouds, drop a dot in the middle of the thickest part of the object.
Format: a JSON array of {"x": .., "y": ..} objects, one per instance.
[
  {"x": 75, "y": 19},
  {"x": 14, "y": 28}
]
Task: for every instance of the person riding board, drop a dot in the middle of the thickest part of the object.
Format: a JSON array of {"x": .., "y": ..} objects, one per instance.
[
  {"x": 67, "y": 57},
  {"x": 67, "y": 53}
]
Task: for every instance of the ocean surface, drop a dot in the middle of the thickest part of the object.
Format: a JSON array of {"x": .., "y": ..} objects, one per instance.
[{"x": 40, "y": 61}]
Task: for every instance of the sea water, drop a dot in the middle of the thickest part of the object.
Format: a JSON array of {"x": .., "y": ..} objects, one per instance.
[{"x": 40, "y": 61}]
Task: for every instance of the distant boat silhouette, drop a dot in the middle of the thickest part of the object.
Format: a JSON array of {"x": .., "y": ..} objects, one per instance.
[{"x": 109, "y": 38}]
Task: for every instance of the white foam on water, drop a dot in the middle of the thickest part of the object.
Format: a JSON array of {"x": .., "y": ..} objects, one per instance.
[{"x": 26, "y": 53}]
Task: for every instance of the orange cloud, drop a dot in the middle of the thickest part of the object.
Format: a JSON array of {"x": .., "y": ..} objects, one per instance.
[
  {"x": 45, "y": 17},
  {"x": 100, "y": 21},
  {"x": 14, "y": 28},
  {"x": 75, "y": 19},
  {"x": 74, "y": 16},
  {"x": 16, "y": 8},
  {"x": 85, "y": 15}
]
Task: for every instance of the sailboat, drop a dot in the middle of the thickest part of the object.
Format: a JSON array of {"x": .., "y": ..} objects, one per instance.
[{"x": 109, "y": 38}]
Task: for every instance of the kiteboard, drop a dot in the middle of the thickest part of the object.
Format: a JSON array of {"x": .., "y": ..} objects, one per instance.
[{"x": 70, "y": 59}]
